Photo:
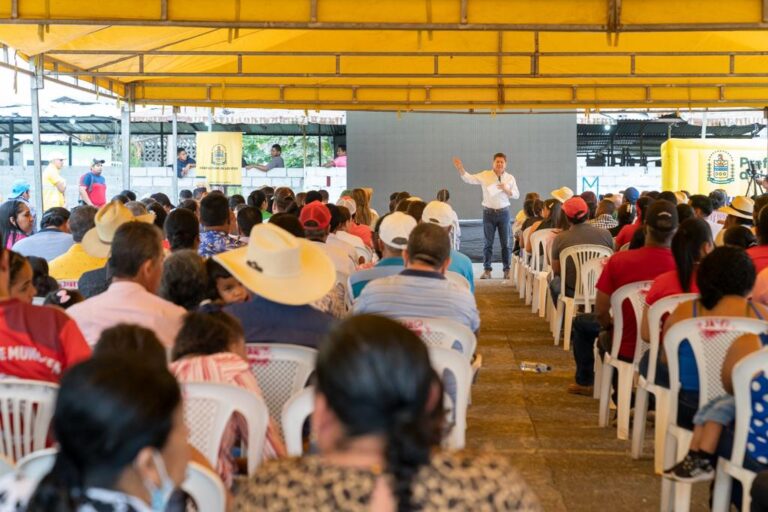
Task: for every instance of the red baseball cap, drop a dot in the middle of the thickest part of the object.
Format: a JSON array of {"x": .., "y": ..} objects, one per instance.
[
  {"x": 317, "y": 213},
  {"x": 575, "y": 208}
]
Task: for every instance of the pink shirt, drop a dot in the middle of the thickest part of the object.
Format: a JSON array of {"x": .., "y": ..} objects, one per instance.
[
  {"x": 340, "y": 161},
  {"x": 126, "y": 302},
  {"x": 229, "y": 368}
]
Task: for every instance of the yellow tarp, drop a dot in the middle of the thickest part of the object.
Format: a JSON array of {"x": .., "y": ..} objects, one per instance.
[
  {"x": 404, "y": 54},
  {"x": 700, "y": 166}
]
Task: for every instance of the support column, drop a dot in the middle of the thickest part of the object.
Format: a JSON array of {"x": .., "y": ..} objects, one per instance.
[
  {"x": 704, "y": 126},
  {"x": 125, "y": 132},
  {"x": 36, "y": 83},
  {"x": 10, "y": 143},
  {"x": 69, "y": 149},
  {"x": 174, "y": 144}
]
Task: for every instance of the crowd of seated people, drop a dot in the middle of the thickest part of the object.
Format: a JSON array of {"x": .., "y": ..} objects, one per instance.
[{"x": 123, "y": 305}]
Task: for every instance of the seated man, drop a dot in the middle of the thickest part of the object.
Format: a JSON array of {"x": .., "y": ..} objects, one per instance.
[
  {"x": 422, "y": 290},
  {"x": 53, "y": 239},
  {"x": 622, "y": 268},
  {"x": 442, "y": 214},
  {"x": 286, "y": 274},
  {"x": 393, "y": 236},
  {"x": 315, "y": 218},
  {"x": 333, "y": 239},
  {"x": 217, "y": 220},
  {"x": 247, "y": 217},
  {"x": 76, "y": 261},
  {"x": 137, "y": 264},
  {"x": 604, "y": 215},
  {"x": 580, "y": 232}
]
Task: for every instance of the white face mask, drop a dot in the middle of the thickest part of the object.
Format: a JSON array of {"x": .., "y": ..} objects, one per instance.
[{"x": 159, "y": 495}]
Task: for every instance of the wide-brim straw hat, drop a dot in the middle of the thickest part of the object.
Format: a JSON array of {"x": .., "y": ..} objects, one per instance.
[
  {"x": 562, "y": 194},
  {"x": 740, "y": 207},
  {"x": 98, "y": 240},
  {"x": 280, "y": 267}
]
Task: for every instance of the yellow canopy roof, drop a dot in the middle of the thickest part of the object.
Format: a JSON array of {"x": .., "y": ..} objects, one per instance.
[{"x": 403, "y": 54}]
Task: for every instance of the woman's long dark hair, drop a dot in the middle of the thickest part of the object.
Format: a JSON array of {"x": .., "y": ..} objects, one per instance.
[
  {"x": 690, "y": 237},
  {"x": 725, "y": 271},
  {"x": 108, "y": 409},
  {"x": 377, "y": 379},
  {"x": 10, "y": 230}
]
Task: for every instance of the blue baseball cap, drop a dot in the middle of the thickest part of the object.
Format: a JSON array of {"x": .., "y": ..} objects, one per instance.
[
  {"x": 19, "y": 187},
  {"x": 631, "y": 195}
]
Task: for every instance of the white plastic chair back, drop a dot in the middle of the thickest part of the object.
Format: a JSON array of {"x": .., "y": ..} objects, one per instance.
[
  {"x": 208, "y": 408},
  {"x": 656, "y": 314},
  {"x": 205, "y": 487},
  {"x": 457, "y": 278},
  {"x": 296, "y": 411},
  {"x": 635, "y": 293},
  {"x": 580, "y": 254},
  {"x": 26, "y": 409},
  {"x": 6, "y": 466},
  {"x": 444, "y": 333},
  {"x": 449, "y": 361},
  {"x": 590, "y": 273},
  {"x": 37, "y": 464},
  {"x": 540, "y": 261},
  {"x": 282, "y": 370}
]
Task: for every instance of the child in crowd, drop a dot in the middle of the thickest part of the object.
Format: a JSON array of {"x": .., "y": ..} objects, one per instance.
[
  {"x": 63, "y": 298},
  {"x": 222, "y": 287}
]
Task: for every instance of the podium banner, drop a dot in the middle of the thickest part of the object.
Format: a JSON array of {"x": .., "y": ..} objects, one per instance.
[
  {"x": 700, "y": 166},
  {"x": 219, "y": 157}
]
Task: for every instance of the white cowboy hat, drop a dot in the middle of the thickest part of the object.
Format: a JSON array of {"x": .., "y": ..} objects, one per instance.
[
  {"x": 562, "y": 194},
  {"x": 98, "y": 240},
  {"x": 280, "y": 267},
  {"x": 740, "y": 207}
]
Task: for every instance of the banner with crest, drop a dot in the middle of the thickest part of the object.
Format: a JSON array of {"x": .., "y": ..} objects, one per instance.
[{"x": 219, "y": 157}]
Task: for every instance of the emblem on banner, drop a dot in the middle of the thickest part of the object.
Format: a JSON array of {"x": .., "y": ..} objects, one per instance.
[
  {"x": 218, "y": 155},
  {"x": 720, "y": 168}
]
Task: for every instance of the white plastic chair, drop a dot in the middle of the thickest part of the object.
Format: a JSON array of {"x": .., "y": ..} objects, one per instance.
[
  {"x": 37, "y": 464},
  {"x": 541, "y": 243},
  {"x": 522, "y": 273},
  {"x": 282, "y": 371},
  {"x": 566, "y": 306},
  {"x": 743, "y": 375},
  {"x": 6, "y": 466},
  {"x": 296, "y": 411},
  {"x": 205, "y": 487},
  {"x": 450, "y": 361},
  {"x": 26, "y": 409},
  {"x": 709, "y": 338},
  {"x": 635, "y": 293},
  {"x": 645, "y": 385},
  {"x": 590, "y": 273},
  {"x": 208, "y": 408}
]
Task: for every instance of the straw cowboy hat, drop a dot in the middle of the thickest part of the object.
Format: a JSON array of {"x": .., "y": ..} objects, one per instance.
[
  {"x": 98, "y": 240},
  {"x": 280, "y": 267},
  {"x": 740, "y": 207},
  {"x": 562, "y": 194}
]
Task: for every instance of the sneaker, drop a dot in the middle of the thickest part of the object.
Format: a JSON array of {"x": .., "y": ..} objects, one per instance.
[
  {"x": 578, "y": 389},
  {"x": 486, "y": 274},
  {"x": 693, "y": 468},
  {"x": 506, "y": 275}
]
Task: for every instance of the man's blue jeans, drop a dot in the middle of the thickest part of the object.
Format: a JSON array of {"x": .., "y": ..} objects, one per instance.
[{"x": 496, "y": 220}]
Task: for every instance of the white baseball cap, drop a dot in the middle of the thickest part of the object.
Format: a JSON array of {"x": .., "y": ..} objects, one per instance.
[
  {"x": 348, "y": 203},
  {"x": 395, "y": 229},
  {"x": 438, "y": 212}
]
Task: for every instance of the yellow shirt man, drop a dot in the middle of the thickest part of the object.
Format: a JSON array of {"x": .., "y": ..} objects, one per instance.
[
  {"x": 53, "y": 184},
  {"x": 73, "y": 264}
]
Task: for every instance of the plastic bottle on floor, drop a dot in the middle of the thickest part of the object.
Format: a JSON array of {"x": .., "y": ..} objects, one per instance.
[{"x": 533, "y": 367}]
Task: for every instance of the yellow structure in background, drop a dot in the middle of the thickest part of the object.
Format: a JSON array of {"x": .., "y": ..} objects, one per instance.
[
  {"x": 401, "y": 55},
  {"x": 700, "y": 166},
  {"x": 219, "y": 157}
]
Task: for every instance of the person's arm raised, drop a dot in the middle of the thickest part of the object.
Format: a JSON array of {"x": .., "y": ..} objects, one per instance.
[{"x": 463, "y": 174}]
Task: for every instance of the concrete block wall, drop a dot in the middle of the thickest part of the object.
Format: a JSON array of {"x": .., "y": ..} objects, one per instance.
[
  {"x": 148, "y": 180},
  {"x": 602, "y": 180}
]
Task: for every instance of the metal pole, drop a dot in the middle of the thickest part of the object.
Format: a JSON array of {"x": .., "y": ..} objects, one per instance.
[
  {"x": 704, "y": 125},
  {"x": 319, "y": 150},
  {"x": 36, "y": 83},
  {"x": 10, "y": 143},
  {"x": 69, "y": 149},
  {"x": 125, "y": 131},
  {"x": 162, "y": 144},
  {"x": 174, "y": 145}
]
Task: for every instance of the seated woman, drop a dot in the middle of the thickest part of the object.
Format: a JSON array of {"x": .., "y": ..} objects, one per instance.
[
  {"x": 533, "y": 209},
  {"x": 378, "y": 424},
  {"x": 625, "y": 215},
  {"x": 122, "y": 442},
  {"x": 21, "y": 285},
  {"x": 552, "y": 217},
  {"x": 210, "y": 348},
  {"x": 740, "y": 236},
  {"x": 725, "y": 279},
  {"x": 185, "y": 280}
]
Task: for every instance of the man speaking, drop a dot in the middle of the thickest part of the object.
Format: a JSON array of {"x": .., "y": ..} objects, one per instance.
[{"x": 498, "y": 186}]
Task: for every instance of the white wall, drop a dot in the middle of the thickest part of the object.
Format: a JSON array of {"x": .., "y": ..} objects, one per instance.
[{"x": 602, "y": 180}]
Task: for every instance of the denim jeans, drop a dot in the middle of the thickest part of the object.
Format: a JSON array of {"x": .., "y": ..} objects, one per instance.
[
  {"x": 585, "y": 331},
  {"x": 496, "y": 220}
]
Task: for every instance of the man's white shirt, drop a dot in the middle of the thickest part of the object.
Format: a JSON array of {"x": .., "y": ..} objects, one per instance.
[{"x": 488, "y": 181}]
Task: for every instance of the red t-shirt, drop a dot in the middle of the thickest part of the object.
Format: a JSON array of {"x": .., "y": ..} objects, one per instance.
[
  {"x": 668, "y": 284},
  {"x": 759, "y": 255},
  {"x": 364, "y": 232},
  {"x": 626, "y": 267},
  {"x": 38, "y": 342},
  {"x": 626, "y": 234}
]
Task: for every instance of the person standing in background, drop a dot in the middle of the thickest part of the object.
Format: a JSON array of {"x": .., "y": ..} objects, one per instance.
[
  {"x": 498, "y": 187},
  {"x": 93, "y": 186},
  {"x": 54, "y": 186},
  {"x": 341, "y": 157},
  {"x": 184, "y": 163},
  {"x": 276, "y": 161},
  {"x": 20, "y": 192}
]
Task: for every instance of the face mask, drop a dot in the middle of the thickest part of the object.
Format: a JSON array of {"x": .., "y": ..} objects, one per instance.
[{"x": 159, "y": 496}]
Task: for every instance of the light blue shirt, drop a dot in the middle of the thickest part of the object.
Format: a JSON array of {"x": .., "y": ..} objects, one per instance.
[
  {"x": 47, "y": 244},
  {"x": 384, "y": 268},
  {"x": 461, "y": 264}
]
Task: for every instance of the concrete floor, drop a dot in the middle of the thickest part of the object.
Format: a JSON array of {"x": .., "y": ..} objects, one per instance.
[{"x": 552, "y": 437}]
